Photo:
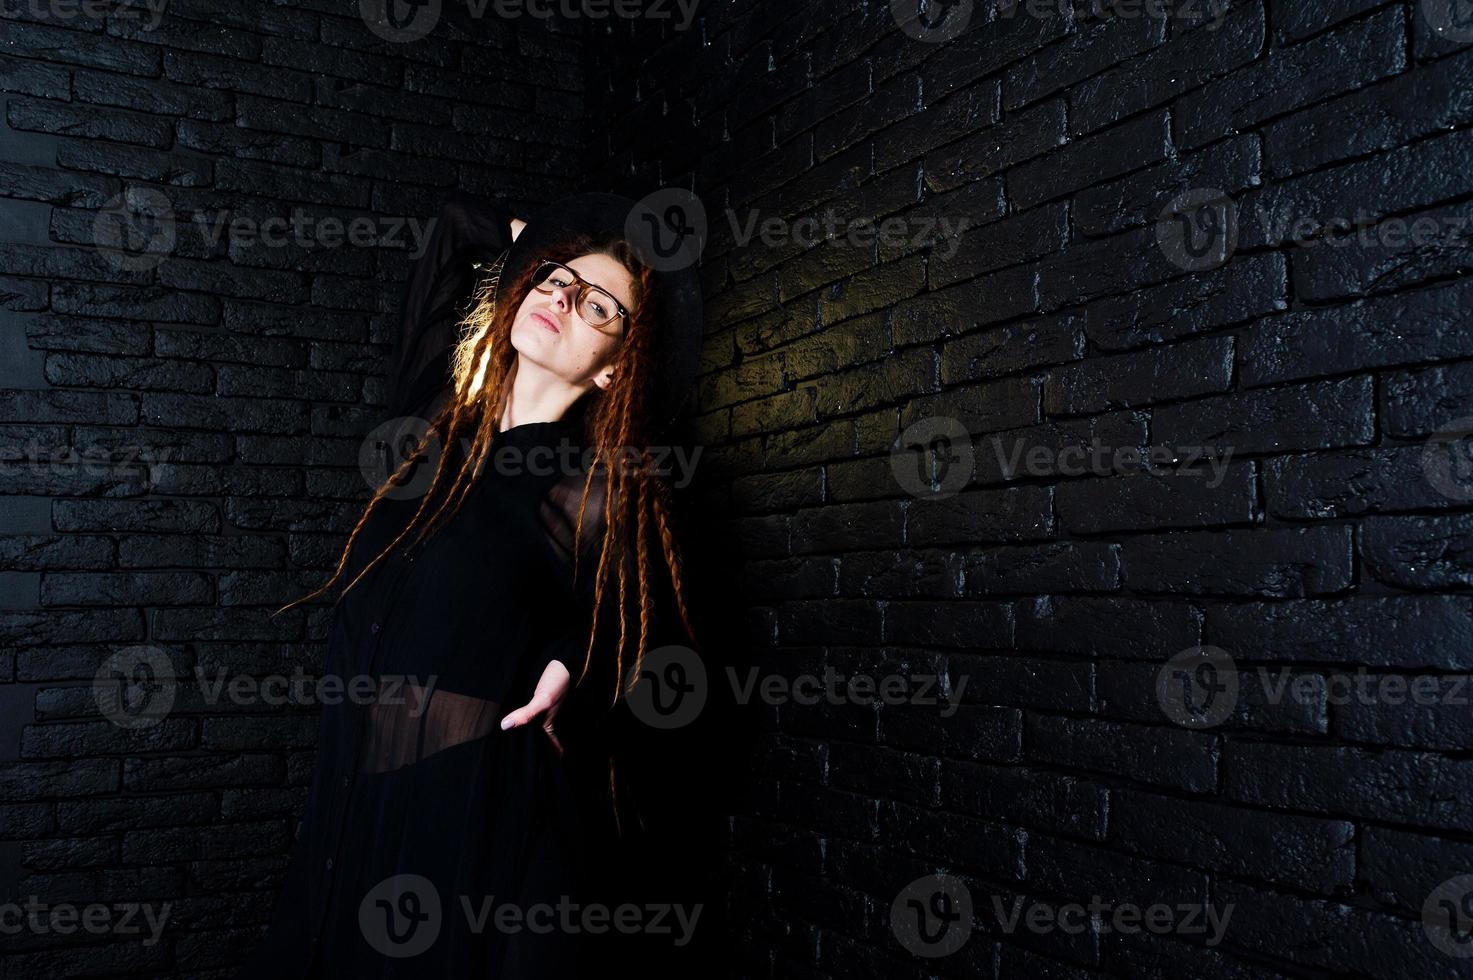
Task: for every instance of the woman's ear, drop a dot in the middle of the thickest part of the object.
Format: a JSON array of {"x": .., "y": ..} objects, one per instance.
[{"x": 604, "y": 378}]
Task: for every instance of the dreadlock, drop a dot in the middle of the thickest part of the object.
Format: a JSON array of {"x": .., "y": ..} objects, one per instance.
[{"x": 635, "y": 498}]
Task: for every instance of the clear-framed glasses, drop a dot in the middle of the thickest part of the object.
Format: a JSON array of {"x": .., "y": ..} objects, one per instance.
[{"x": 597, "y": 308}]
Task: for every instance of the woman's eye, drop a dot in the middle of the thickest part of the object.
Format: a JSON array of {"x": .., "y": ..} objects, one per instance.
[{"x": 598, "y": 309}]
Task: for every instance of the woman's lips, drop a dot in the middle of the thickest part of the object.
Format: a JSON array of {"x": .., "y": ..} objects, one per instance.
[{"x": 546, "y": 321}]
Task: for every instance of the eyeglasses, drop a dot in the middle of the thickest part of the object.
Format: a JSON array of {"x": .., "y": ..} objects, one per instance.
[{"x": 594, "y": 304}]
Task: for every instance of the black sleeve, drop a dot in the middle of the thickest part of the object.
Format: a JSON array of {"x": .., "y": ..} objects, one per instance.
[{"x": 468, "y": 230}]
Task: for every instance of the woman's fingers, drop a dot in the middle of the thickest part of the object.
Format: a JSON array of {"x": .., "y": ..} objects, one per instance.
[
  {"x": 556, "y": 744},
  {"x": 524, "y": 714},
  {"x": 551, "y": 687},
  {"x": 538, "y": 706}
]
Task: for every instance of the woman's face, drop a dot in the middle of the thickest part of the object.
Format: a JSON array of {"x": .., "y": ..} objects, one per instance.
[{"x": 549, "y": 332}]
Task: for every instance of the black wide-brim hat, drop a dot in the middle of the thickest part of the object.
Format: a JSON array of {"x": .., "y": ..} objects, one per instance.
[{"x": 671, "y": 256}]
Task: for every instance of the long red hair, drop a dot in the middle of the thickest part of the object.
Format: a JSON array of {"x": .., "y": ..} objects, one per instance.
[{"x": 636, "y": 498}]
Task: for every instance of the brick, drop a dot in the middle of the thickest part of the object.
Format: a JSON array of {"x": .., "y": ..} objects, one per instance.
[
  {"x": 1328, "y": 415},
  {"x": 1095, "y": 384},
  {"x": 1162, "y": 73},
  {"x": 1359, "y": 482},
  {"x": 1402, "y": 868},
  {"x": 1390, "y": 785},
  {"x": 1117, "y": 627},
  {"x": 1058, "y": 865},
  {"x": 1367, "y": 190},
  {"x": 1278, "y": 700},
  {"x": 949, "y": 624},
  {"x": 1136, "y": 144},
  {"x": 1419, "y": 552},
  {"x": 1288, "y": 78},
  {"x": 1399, "y": 631},
  {"x": 1387, "y": 114},
  {"x": 987, "y": 848},
  {"x": 1147, "y": 501},
  {"x": 1013, "y": 514},
  {"x": 1420, "y": 402},
  {"x": 1257, "y": 563},
  {"x": 1139, "y": 198},
  {"x": 1049, "y": 568},
  {"x": 1103, "y": 444},
  {"x": 1020, "y": 137},
  {"x": 1080, "y": 55},
  {"x": 1320, "y": 931},
  {"x": 1027, "y": 797},
  {"x": 1004, "y": 350},
  {"x": 1420, "y": 711},
  {"x": 1302, "y": 852},
  {"x": 1394, "y": 254},
  {"x": 1015, "y": 681}
]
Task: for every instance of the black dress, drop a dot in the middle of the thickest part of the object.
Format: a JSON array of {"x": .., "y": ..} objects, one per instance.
[{"x": 421, "y": 810}]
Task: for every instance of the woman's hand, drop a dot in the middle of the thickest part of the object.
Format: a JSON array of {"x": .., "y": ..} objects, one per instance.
[{"x": 546, "y": 700}]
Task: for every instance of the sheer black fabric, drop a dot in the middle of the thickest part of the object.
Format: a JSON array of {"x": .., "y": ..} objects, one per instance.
[
  {"x": 420, "y": 808},
  {"x": 469, "y": 232}
]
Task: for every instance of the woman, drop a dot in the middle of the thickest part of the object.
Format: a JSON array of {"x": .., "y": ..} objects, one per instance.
[{"x": 496, "y": 562}]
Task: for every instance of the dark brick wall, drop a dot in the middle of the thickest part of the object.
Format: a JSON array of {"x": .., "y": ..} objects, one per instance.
[
  {"x": 215, "y": 402},
  {"x": 928, "y": 447},
  {"x": 1189, "y": 239}
]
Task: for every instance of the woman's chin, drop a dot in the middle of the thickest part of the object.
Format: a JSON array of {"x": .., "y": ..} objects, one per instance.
[{"x": 530, "y": 339}]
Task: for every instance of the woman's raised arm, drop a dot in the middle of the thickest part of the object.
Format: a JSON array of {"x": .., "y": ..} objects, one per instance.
[{"x": 441, "y": 281}]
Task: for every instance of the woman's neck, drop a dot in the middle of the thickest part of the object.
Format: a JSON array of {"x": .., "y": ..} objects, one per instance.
[{"x": 536, "y": 396}]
